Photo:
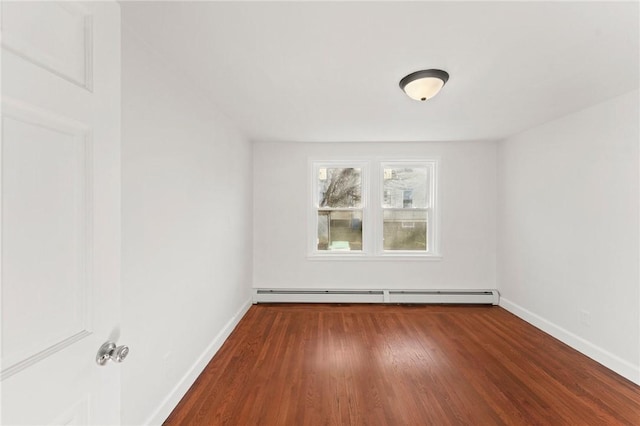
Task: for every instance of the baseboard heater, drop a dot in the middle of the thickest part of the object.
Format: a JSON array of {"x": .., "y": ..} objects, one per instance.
[{"x": 269, "y": 295}]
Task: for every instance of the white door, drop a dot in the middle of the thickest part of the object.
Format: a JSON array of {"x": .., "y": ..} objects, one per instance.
[{"x": 60, "y": 211}]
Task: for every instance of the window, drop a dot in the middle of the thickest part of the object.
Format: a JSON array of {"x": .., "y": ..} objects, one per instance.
[
  {"x": 390, "y": 215},
  {"x": 406, "y": 205},
  {"x": 338, "y": 207}
]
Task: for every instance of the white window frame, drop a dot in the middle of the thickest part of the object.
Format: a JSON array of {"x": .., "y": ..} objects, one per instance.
[
  {"x": 432, "y": 240},
  {"x": 316, "y": 165},
  {"x": 372, "y": 175}
]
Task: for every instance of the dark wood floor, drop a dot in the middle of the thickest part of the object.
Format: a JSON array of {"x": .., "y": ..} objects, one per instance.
[{"x": 401, "y": 365}]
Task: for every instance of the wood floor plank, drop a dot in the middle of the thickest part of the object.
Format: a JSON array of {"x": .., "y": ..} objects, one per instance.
[{"x": 298, "y": 364}]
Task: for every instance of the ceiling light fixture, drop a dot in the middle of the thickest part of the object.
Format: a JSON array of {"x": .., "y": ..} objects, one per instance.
[{"x": 425, "y": 84}]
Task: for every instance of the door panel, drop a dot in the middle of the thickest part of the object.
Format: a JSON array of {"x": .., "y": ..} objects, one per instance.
[
  {"x": 45, "y": 280},
  {"x": 60, "y": 211},
  {"x": 55, "y": 36}
]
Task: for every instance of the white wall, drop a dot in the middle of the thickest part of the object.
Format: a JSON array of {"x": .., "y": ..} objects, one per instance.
[
  {"x": 186, "y": 216},
  {"x": 568, "y": 230},
  {"x": 467, "y": 203}
]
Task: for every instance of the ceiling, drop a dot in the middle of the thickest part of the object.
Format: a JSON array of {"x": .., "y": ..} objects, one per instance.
[{"x": 329, "y": 71}]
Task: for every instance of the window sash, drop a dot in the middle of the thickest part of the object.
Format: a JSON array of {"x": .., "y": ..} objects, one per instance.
[
  {"x": 345, "y": 236},
  {"x": 317, "y": 210},
  {"x": 332, "y": 165},
  {"x": 386, "y": 169},
  {"x": 404, "y": 231}
]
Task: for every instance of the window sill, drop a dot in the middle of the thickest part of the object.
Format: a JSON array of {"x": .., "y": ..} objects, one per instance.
[{"x": 363, "y": 257}]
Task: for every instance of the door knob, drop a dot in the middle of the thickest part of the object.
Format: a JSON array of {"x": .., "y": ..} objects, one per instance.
[{"x": 109, "y": 351}]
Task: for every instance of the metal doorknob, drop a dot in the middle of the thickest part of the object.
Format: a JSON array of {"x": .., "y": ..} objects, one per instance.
[{"x": 109, "y": 351}]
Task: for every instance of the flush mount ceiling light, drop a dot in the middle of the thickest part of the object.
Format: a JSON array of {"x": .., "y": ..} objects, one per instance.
[{"x": 425, "y": 84}]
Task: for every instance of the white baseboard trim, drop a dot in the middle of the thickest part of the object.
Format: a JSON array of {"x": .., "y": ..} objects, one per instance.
[
  {"x": 180, "y": 389},
  {"x": 333, "y": 295},
  {"x": 609, "y": 360}
]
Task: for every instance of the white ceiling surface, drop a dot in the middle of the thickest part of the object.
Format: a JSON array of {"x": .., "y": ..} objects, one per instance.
[{"x": 329, "y": 71}]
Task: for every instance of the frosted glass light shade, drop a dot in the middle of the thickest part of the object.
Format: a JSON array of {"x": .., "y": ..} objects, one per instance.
[{"x": 423, "y": 85}]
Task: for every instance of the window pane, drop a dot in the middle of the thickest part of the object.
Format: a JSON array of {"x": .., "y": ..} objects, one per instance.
[
  {"x": 340, "y": 230},
  {"x": 405, "y": 187},
  {"x": 339, "y": 187},
  {"x": 405, "y": 230}
]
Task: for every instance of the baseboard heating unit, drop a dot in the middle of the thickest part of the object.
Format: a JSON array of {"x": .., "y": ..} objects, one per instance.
[{"x": 271, "y": 295}]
